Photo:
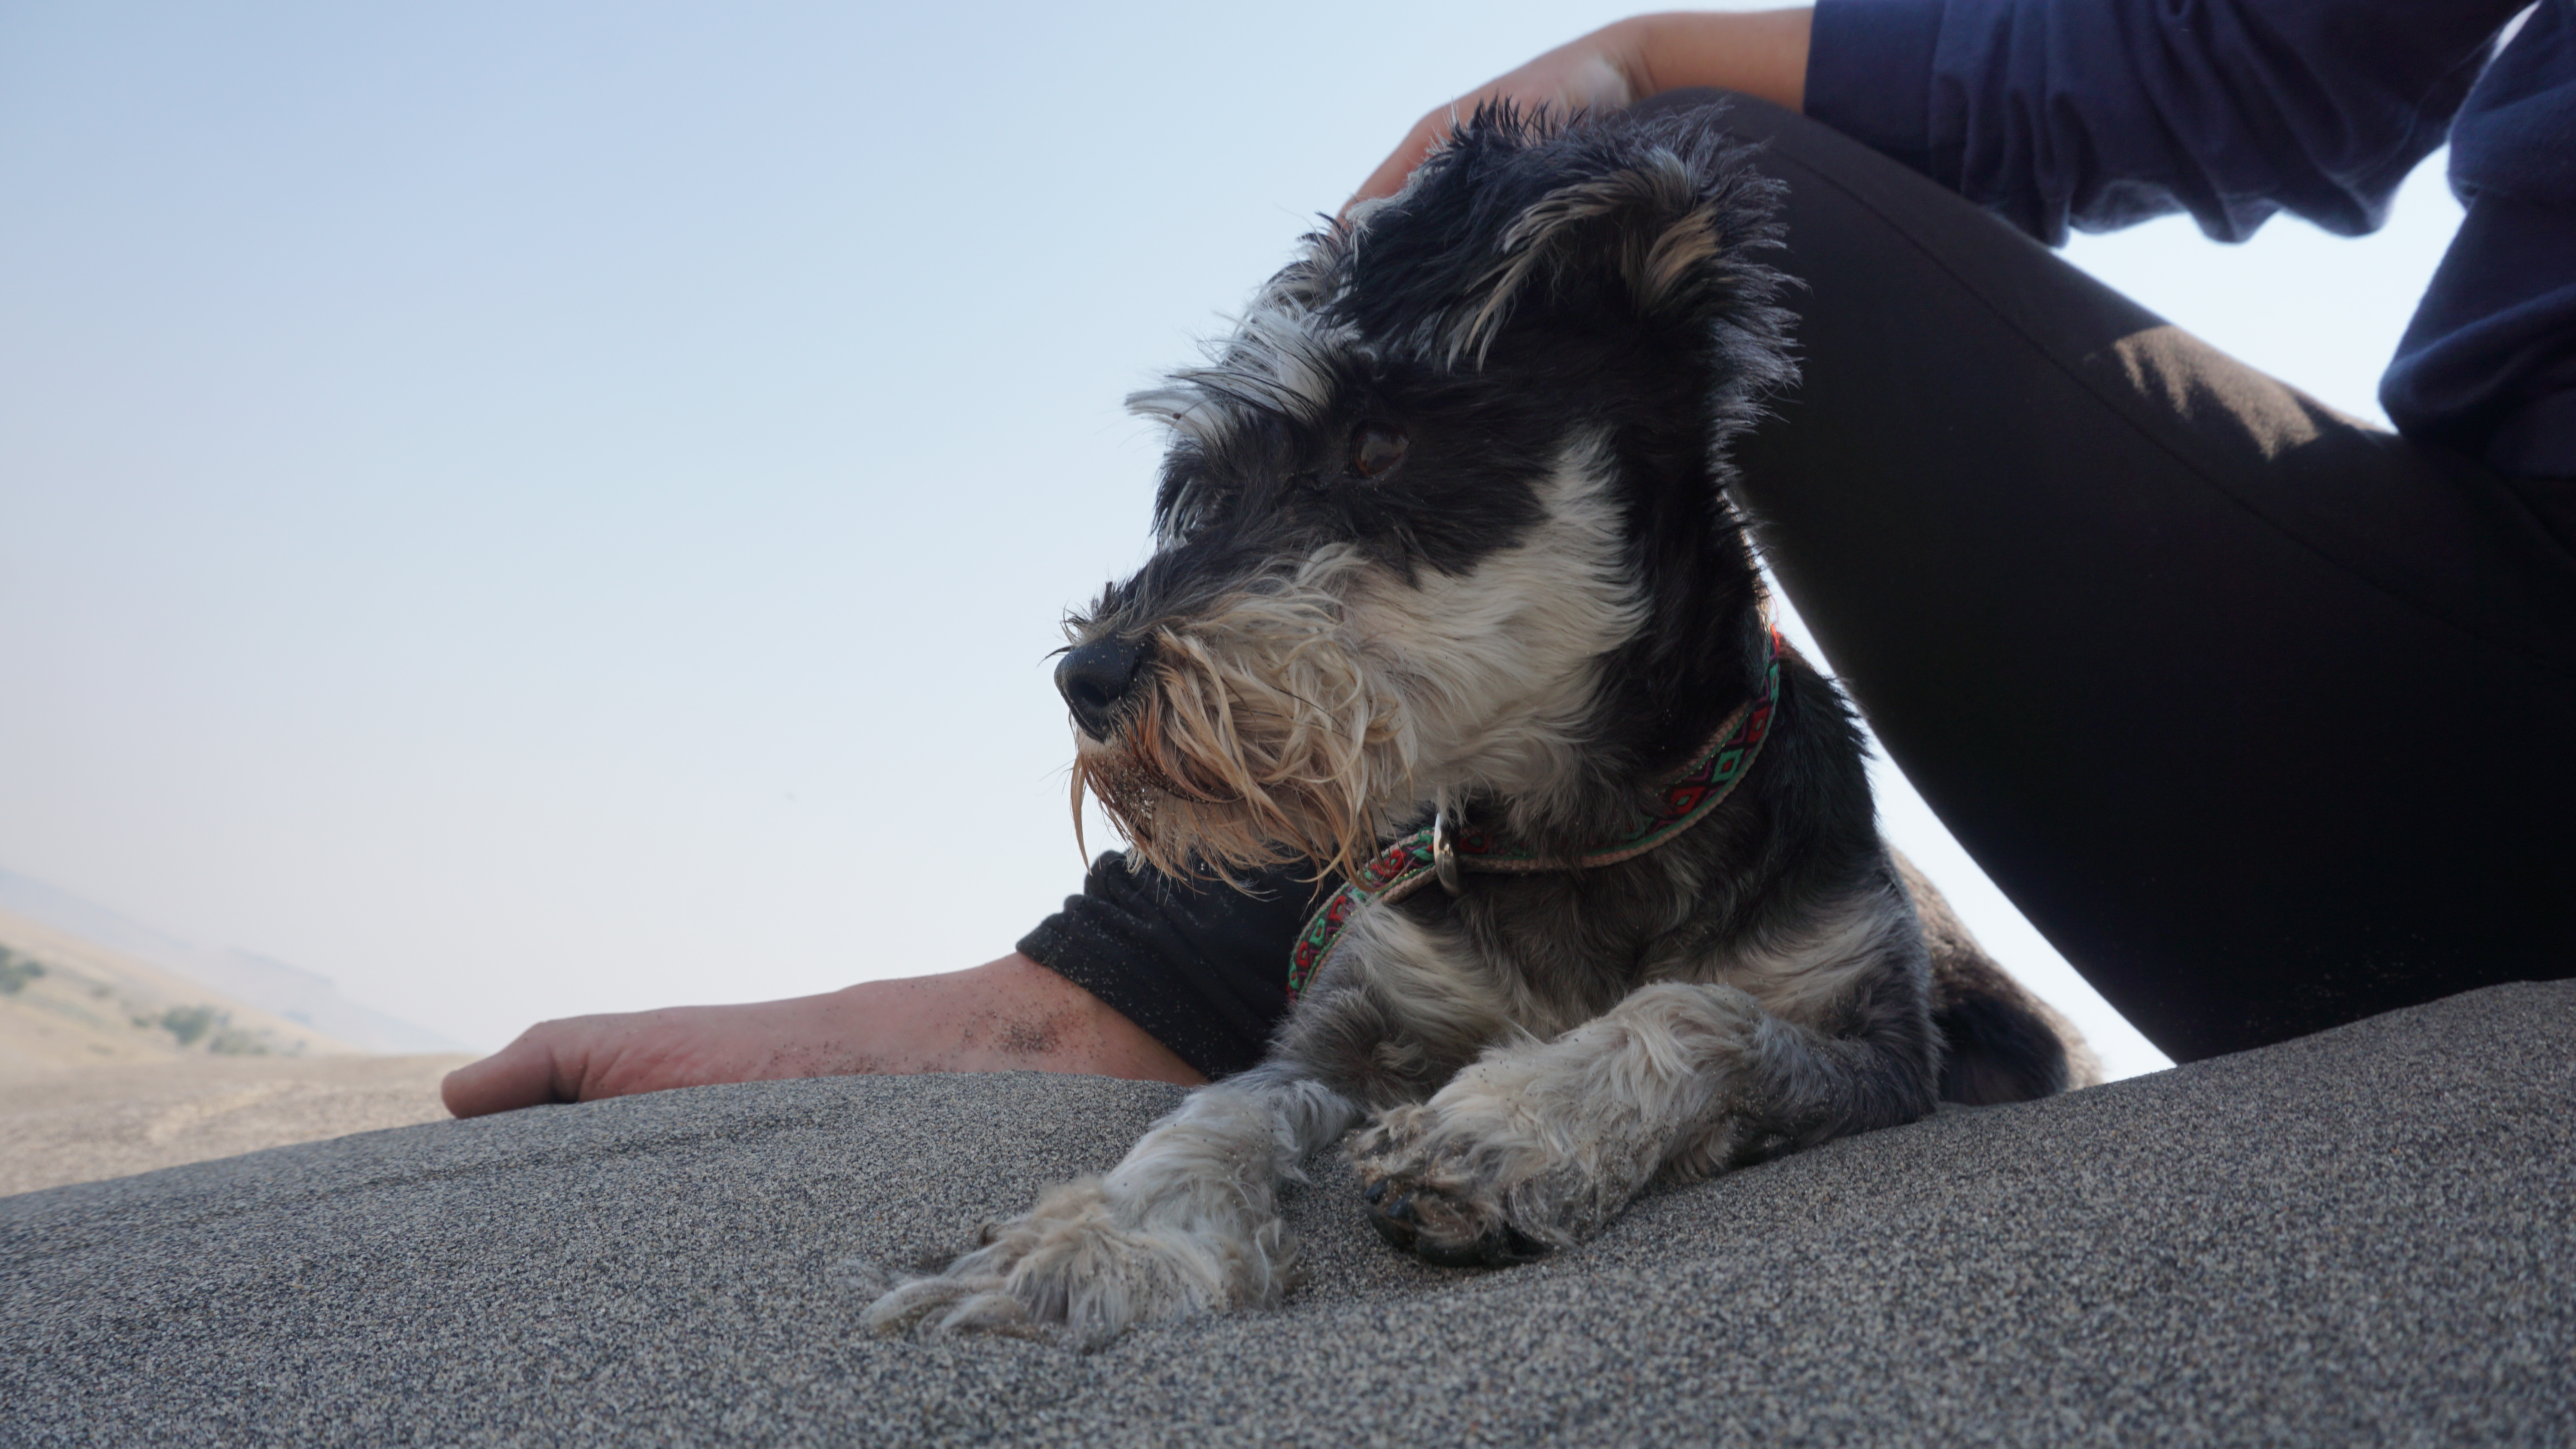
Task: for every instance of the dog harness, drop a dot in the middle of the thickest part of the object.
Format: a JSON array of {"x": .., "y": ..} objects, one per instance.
[{"x": 1442, "y": 849}]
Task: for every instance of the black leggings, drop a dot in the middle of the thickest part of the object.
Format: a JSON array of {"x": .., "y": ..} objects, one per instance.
[{"x": 2265, "y": 718}]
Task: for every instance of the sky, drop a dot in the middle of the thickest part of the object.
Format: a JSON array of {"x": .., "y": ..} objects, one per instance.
[{"x": 539, "y": 508}]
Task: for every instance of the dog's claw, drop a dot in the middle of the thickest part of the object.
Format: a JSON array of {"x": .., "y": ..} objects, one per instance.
[
  {"x": 1496, "y": 1249},
  {"x": 988, "y": 1312},
  {"x": 1399, "y": 1234},
  {"x": 910, "y": 1303},
  {"x": 1500, "y": 1245},
  {"x": 1452, "y": 1255},
  {"x": 944, "y": 1306}
]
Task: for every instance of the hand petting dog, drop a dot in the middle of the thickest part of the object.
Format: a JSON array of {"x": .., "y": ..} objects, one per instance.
[{"x": 1758, "y": 53}]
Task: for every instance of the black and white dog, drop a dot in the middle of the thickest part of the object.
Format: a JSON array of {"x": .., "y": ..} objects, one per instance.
[{"x": 1446, "y": 559}]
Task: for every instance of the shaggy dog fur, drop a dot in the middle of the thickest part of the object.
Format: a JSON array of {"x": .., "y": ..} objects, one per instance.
[{"x": 1444, "y": 529}]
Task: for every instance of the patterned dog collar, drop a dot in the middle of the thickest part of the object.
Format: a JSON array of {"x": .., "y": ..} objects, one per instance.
[{"x": 1439, "y": 853}]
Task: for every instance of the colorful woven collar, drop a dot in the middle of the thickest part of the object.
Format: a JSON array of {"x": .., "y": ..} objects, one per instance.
[{"x": 1441, "y": 851}]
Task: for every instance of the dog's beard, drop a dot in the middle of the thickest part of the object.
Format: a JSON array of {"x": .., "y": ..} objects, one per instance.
[{"x": 1259, "y": 742}]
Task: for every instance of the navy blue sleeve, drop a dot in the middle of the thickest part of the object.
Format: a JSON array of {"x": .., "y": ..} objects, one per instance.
[
  {"x": 2489, "y": 364},
  {"x": 2096, "y": 114}
]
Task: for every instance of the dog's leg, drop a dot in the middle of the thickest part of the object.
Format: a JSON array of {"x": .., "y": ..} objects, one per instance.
[
  {"x": 1187, "y": 1223},
  {"x": 1539, "y": 1144}
]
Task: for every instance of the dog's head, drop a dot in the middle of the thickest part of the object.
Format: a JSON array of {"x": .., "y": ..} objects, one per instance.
[{"x": 1442, "y": 520}]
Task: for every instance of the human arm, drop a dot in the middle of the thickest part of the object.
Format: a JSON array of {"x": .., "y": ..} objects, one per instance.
[
  {"x": 1007, "y": 1015},
  {"x": 2058, "y": 113},
  {"x": 1138, "y": 976}
]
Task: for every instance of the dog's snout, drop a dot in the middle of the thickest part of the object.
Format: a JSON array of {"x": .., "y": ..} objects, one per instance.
[{"x": 1095, "y": 678}]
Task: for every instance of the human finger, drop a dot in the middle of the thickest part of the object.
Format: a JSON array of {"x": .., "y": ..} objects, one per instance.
[
  {"x": 529, "y": 1072},
  {"x": 1389, "y": 176},
  {"x": 1590, "y": 73}
]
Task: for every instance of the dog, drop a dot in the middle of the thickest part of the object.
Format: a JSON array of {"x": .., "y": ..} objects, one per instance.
[{"x": 1450, "y": 599}]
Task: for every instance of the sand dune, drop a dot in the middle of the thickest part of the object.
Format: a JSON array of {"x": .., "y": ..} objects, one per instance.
[{"x": 2362, "y": 1237}]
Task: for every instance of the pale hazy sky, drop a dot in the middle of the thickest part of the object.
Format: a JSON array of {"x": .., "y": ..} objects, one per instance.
[{"x": 540, "y": 508}]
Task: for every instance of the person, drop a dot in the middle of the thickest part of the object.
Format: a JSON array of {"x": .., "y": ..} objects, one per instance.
[{"x": 2262, "y": 715}]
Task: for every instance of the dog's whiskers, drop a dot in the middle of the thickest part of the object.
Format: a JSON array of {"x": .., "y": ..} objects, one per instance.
[{"x": 1260, "y": 741}]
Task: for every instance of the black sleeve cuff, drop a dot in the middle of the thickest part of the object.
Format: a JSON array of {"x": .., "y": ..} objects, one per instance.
[{"x": 1202, "y": 968}]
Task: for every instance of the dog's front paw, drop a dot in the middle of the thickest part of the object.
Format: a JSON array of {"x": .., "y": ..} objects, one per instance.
[
  {"x": 1440, "y": 1189},
  {"x": 1082, "y": 1261}
]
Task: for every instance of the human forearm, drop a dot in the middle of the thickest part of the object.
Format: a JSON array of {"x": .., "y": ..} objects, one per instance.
[
  {"x": 1010, "y": 1014},
  {"x": 1760, "y": 53}
]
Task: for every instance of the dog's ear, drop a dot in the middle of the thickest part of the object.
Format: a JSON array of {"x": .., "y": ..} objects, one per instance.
[{"x": 1660, "y": 221}]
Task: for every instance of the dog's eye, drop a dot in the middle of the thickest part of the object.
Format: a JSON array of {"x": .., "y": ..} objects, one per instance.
[{"x": 1374, "y": 449}]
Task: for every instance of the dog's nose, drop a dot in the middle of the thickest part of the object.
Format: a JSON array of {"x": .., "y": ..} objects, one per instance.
[{"x": 1095, "y": 677}]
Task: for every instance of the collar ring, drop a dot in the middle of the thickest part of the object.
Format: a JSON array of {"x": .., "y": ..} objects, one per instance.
[{"x": 1444, "y": 849}]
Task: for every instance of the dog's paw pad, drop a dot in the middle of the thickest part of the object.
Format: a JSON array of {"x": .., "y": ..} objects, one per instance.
[{"x": 1447, "y": 1230}]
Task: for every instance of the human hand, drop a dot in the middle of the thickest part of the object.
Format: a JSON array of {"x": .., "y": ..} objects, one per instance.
[
  {"x": 1601, "y": 71},
  {"x": 1011, "y": 1014},
  {"x": 1759, "y": 53}
]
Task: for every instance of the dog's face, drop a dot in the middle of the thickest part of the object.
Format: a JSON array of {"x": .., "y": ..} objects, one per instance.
[{"x": 1422, "y": 506}]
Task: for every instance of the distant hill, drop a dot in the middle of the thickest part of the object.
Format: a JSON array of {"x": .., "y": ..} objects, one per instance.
[
  {"x": 305, "y": 1006},
  {"x": 68, "y": 1001}
]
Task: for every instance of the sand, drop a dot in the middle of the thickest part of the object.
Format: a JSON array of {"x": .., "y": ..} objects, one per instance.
[
  {"x": 2362, "y": 1237},
  {"x": 80, "y": 1124}
]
